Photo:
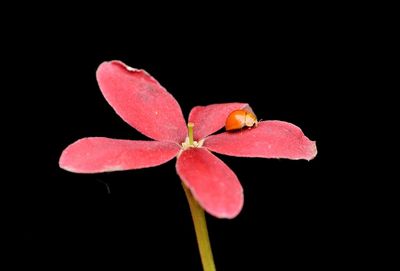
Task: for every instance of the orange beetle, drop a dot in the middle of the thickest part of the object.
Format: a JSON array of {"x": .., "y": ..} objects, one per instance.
[{"x": 240, "y": 118}]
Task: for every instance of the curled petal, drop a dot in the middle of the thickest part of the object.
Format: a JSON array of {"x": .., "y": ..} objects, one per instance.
[
  {"x": 141, "y": 101},
  {"x": 212, "y": 183},
  {"x": 209, "y": 119},
  {"x": 270, "y": 139},
  {"x": 100, "y": 154}
]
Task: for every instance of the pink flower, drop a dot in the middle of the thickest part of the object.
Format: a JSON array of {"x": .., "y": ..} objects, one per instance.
[{"x": 145, "y": 105}]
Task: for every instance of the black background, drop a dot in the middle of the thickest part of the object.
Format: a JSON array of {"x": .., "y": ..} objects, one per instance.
[{"x": 296, "y": 213}]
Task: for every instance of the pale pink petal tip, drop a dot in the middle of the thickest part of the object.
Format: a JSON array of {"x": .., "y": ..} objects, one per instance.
[
  {"x": 100, "y": 154},
  {"x": 213, "y": 184}
]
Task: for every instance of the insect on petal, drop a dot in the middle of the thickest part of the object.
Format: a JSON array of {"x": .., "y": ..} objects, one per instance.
[{"x": 209, "y": 119}]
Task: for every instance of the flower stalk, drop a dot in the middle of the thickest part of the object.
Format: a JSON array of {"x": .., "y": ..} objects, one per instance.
[
  {"x": 200, "y": 227},
  {"x": 199, "y": 221}
]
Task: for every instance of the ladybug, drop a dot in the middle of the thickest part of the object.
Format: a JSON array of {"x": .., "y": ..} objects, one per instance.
[{"x": 240, "y": 118}]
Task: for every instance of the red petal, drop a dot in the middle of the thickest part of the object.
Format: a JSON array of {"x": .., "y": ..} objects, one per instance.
[
  {"x": 209, "y": 119},
  {"x": 141, "y": 101},
  {"x": 212, "y": 183},
  {"x": 270, "y": 139},
  {"x": 100, "y": 154}
]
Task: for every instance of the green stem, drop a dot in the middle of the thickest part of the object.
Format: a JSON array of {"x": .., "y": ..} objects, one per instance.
[{"x": 200, "y": 227}]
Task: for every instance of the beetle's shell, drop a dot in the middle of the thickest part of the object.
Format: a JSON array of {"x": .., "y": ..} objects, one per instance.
[{"x": 240, "y": 118}]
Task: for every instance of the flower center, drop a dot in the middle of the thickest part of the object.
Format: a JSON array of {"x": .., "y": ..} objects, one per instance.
[{"x": 189, "y": 142}]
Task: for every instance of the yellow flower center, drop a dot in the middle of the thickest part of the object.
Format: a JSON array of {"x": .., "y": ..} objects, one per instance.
[{"x": 189, "y": 142}]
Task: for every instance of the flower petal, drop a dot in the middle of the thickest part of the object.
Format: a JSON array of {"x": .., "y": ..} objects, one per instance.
[
  {"x": 212, "y": 183},
  {"x": 141, "y": 101},
  {"x": 270, "y": 139},
  {"x": 101, "y": 154},
  {"x": 209, "y": 119}
]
